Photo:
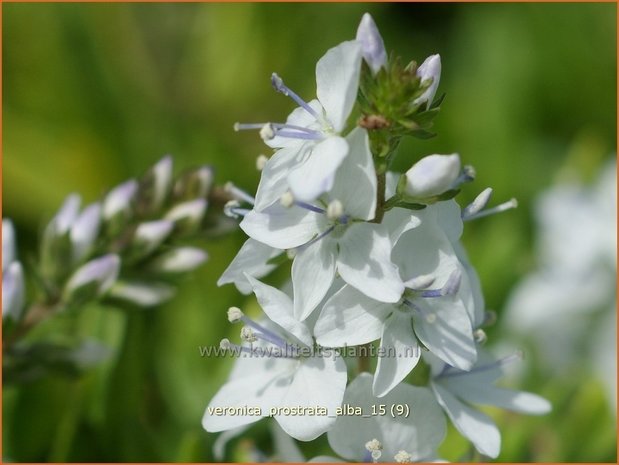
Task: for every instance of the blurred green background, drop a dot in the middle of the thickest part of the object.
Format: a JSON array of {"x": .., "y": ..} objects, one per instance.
[{"x": 95, "y": 93}]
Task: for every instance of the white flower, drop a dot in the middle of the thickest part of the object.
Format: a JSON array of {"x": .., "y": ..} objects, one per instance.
[
  {"x": 311, "y": 148},
  {"x": 429, "y": 69},
  {"x": 455, "y": 390},
  {"x": 280, "y": 371},
  {"x": 358, "y": 251},
  {"x": 568, "y": 304},
  {"x": 432, "y": 175},
  {"x": 418, "y": 434},
  {"x": 372, "y": 45},
  {"x": 433, "y": 308}
]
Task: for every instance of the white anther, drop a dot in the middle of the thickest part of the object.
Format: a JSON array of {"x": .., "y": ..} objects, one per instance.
[
  {"x": 479, "y": 203},
  {"x": 247, "y": 334},
  {"x": 373, "y": 445},
  {"x": 225, "y": 344},
  {"x": 480, "y": 336},
  {"x": 335, "y": 210},
  {"x": 261, "y": 162},
  {"x": 431, "y": 317},
  {"x": 287, "y": 199},
  {"x": 267, "y": 132},
  {"x": 234, "y": 314},
  {"x": 403, "y": 457}
]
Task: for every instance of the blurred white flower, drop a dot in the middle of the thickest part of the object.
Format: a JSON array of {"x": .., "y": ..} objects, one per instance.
[
  {"x": 13, "y": 287},
  {"x": 372, "y": 45}
]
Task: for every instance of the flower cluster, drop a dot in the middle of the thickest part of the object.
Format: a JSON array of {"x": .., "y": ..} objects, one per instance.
[
  {"x": 376, "y": 259},
  {"x": 127, "y": 249}
]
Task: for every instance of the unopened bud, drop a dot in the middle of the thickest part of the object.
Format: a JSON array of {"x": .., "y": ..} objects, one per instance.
[
  {"x": 432, "y": 175},
  {"x": 85, "y": 230},
  {"x": 9, "y": 254},
  {"x": 234, "y": 314},
  {"x": 372, "y": 45},
  {"x": 187, "y": 216},
  {"x": 13, "y": 291},
  {"x": 93, "y": 278},
  {"x": 142, "y": 294},
  {"x": 119, "y": 200},
  {"x": 194, "y": 184},
  {"x": 67, "y": 215},
  {"x": 179, "y": 260},
  {"x": 149, "y": 236},
  {"x": 429, "y": 69},
  {"x": 155, "y": 186}
]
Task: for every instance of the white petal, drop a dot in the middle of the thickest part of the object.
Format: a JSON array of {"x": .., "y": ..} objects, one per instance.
[
  {"x": 398, "y": 221},
  {"x": 425, "y": 250},
  {"x": 274, "y": 177},
  {"x": 318, "y": 382},
  {"x": 355, "y": 180},
  {"x": 219, "y": 446},
  {"x": 278, "y": 308},
  {"x": 488, "y": 394},
  {"x": 286, "y": 449},
  {"x": 252, "y": 259},
  {"x": 470, "y": 288},
  {"x": 299, "y": 117},
  {"x": 313, "y": 271},
  {"x": 256, "y": 390},
  {"x": 349, "y": 318},
  {"x": 337, "y": 80},
  {"x": 282, "y": 228},
  {"x": 365, "y": 262},
  {"x": 449, "y": 218},
  {"x": 419, "y": 433},
  {"x": 444, "y": 327},
  {"x": 400, "y": 353},
  {"x": 316, "y": 174},
  {"x": 472, "y": 424}
]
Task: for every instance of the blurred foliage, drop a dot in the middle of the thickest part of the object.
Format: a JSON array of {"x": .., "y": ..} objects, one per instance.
[{"x": 95, "y": 93}]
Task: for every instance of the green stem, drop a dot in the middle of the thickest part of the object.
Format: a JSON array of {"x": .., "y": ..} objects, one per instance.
[{"x": 380, "y": 197}]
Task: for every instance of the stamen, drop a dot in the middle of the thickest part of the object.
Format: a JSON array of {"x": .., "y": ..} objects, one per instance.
[
  {"x": 468, "y": 174},
  {"x": 450, "y": 288},
  {"x": 316, "y": 239},
  {"x": 449, "y": 371},
  {"x": 478, "y": 204},
  {"x": 261, "y": 162},
  {"x": 232, "y": 209},
  {"x": 267, "y": 132},
  {"x": 238, "y": 194},
  {"x": 335, "y": 210},
  {"x": 314, "y": 135},
  {"x": 287, "y": 199},
  {"x": 480, "y": 336},
  {"x": 512, "y": 203},
  {"x": 279, "y": 86},
  {"x": 235, "y": 315},
  {"x": 248, "y": 335},
  {"x": 403, "y": 457},
  {"x": 309, "y": 207}
]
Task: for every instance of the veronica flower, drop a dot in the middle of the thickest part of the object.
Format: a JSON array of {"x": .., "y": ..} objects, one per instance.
[
  {"x": 379, "y": 437},
  {"x": 431, "y": 308},
  {"x": 311, "y": 147},
  {"x": 456, "y": 389},
  {"x": 333, "y": 235},
  {"x": 279, "y": 369}
]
